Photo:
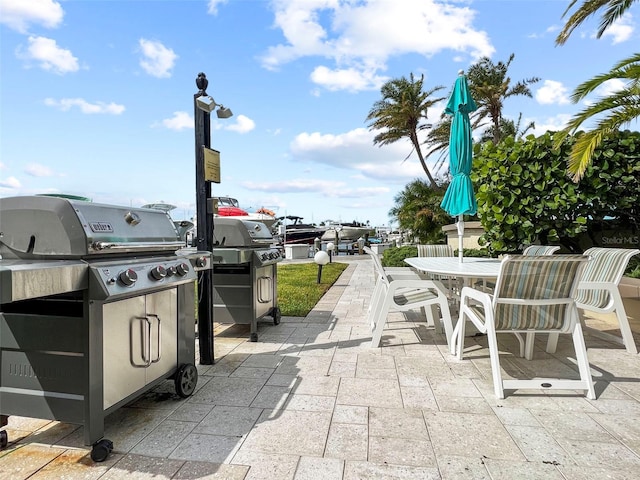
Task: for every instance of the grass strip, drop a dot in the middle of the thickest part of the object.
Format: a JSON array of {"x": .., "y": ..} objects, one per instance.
[{"x": 298, "y": 290}]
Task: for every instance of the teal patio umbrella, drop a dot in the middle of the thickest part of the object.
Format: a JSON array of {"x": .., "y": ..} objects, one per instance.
[{"x": 460, "y": 199}]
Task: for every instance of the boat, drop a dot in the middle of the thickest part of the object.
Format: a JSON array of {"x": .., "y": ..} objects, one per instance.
[
  {"x": 230, "y": 207},
  {"x": 347, "y": 232},
  {"x": 291, "y": 229}
]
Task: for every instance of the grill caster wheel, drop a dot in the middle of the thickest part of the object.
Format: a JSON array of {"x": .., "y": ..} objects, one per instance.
[
  {"x": 4, "y": 439},
  {"x": 275, "y": 313},
  {"x": 101, "y": 450},
  {"x": 186, "y": 380},
  {"x": 253, "y": 337}
]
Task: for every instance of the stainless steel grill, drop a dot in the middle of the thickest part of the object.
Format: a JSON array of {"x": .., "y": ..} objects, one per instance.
[
  {"x": 245, "y": 275},
  {"x": 97, "y": 306}
]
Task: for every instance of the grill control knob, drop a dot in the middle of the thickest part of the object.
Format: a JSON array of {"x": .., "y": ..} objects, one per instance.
[
  {"x": 158, "y": 273},
  {"x": 182, "y": 269},
  {"x": 201, "y": 262},
  {"x": 171, "y": 271},
  {"x": 128, "y": 277}
]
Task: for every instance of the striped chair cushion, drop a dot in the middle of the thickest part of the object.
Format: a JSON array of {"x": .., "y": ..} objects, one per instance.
[
  {"x": 536, "y": 278},
  {"x": 520, "y": 317},
  {"x": 435, "y": 251},
  {"x": 413, "y": 296},
  {"x": 607, "y": 265}
]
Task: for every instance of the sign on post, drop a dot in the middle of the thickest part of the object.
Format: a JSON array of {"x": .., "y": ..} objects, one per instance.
[{"x": 211, "y": 165}]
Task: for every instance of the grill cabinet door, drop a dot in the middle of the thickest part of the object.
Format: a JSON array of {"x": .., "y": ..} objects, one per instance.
[
  {"x": 124, "y": 340},
  {"x": 139, "y": 341}
]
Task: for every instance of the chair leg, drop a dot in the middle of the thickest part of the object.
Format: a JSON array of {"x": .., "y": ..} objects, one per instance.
[
  {"x": 433, "y": 317},
  {"x": 625, "y": 329},
  {"x": 552, "y": 342},
  {"x": 494, "y": 355},
  {"x": 446, "y": 322},
  {"x": 583, "y": 361},
  {"x": 380, "y": 321},
  {"x": 528, "y": 345},
  {"x": 374, "y": 306},
  {"x": 458, "y": 335}
]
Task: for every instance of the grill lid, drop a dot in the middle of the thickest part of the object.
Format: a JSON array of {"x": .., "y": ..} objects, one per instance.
[
  {"x": 233, "y": 232},
  {"x": 38, "y": 227}
]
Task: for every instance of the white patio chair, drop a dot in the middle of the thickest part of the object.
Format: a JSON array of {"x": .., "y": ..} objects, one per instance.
[
  {"x": 598, "y": 292},
  {"x": 403, "y": 295},
  {"x": 403, "y": 291},
  {"x": 532, "y": 294},
  {"x": 537, "y": 250},
  {"x": 392, "y": 273}
]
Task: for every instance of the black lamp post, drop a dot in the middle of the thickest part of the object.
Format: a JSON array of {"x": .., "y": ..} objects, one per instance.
[{"x": 204, "y": 230}]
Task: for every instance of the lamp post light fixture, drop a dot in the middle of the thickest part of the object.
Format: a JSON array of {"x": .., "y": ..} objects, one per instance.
[
  {"x": 203, "y": 105},
  {"x": 330, "y": 247},
  {"x": 321, "y": 258}
]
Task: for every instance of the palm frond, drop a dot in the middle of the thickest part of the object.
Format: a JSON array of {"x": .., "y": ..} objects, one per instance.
[
  {"x": 586, "y": 10},
  {"x": 616, "y": 9}
]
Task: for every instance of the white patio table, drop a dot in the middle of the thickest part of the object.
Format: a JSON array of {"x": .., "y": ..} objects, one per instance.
[{"x": 471, "y": 268}]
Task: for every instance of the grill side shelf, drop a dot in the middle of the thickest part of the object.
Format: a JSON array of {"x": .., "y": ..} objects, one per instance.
[{"x": 23, "y": 280}]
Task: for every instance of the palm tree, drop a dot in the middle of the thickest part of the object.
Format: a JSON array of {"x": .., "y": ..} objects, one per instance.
[
  {"x": 490, "y": 87},
  {"x": 614, "y": 10},
  {"x": 417, "y": 208},
  {"x": 617, "y": 109},
  {"x": 401, "y": 113}
]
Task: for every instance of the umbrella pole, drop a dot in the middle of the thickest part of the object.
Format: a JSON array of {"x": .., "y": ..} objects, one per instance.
[{"x": 460, "y": 225}]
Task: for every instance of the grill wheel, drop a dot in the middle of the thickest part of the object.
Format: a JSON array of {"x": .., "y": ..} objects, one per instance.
[{"x": 186, "y": 380}]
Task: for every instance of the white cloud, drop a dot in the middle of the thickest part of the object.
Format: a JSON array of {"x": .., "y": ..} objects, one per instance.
[
  {"x": 37, "y": 170},
  {"x": 157, "y": 60},
  {"x": 10, "y": 182},
  {"x": 359, "y": 37},
  {"x": 243, "y": 124},
  {"x": 621, "y": 30},
  {"x": 554, "y": 124},
  {"x": 19, "y": 14},
  {"x": 354, "y": 150},
  {"x": 610, "y": 87},
  {"x": 352, "y": 79},
  {"x": 49, "y": 56},
  {"x": 179, "y": 121},
  {"x": 552, "y": 92},
  {"x": 212, "y": 7},
  {"x": 65, "y": 104}
]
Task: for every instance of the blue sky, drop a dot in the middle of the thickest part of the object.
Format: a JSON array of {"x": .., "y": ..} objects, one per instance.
[{"x": 96, "y": 97}]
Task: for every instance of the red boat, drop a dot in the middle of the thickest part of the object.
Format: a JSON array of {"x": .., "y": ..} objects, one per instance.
[{"x": 229, "y": 207}]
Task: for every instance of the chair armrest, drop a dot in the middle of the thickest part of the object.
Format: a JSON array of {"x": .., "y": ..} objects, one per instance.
[
  {"x": 482, "y": 297},
  {"x": 418, "y": 283},
  {"x": 597, "y": 286}
]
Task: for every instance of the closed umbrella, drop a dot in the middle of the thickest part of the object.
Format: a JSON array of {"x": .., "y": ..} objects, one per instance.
[{"x": 460, "y": 199}]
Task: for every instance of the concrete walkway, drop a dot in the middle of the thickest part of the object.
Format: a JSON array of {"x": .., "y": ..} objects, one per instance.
[{"x": 312, "y": 400}]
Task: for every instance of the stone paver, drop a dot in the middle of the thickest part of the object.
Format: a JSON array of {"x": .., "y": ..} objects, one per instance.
[{"x": 311, "y": 400}]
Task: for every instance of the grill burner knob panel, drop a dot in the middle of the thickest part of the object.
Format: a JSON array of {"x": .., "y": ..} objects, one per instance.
[
  {"x": 158, "y": 273},
  {"x": 182, "y": 269},
  {"x": 128, "y": 277}
]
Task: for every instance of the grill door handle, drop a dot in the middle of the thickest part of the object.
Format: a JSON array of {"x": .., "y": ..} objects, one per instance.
[
  {"x": 159, "y": 338},
  {"x": 264, "y": 294},
  {"x": 146, "y": 350}
]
